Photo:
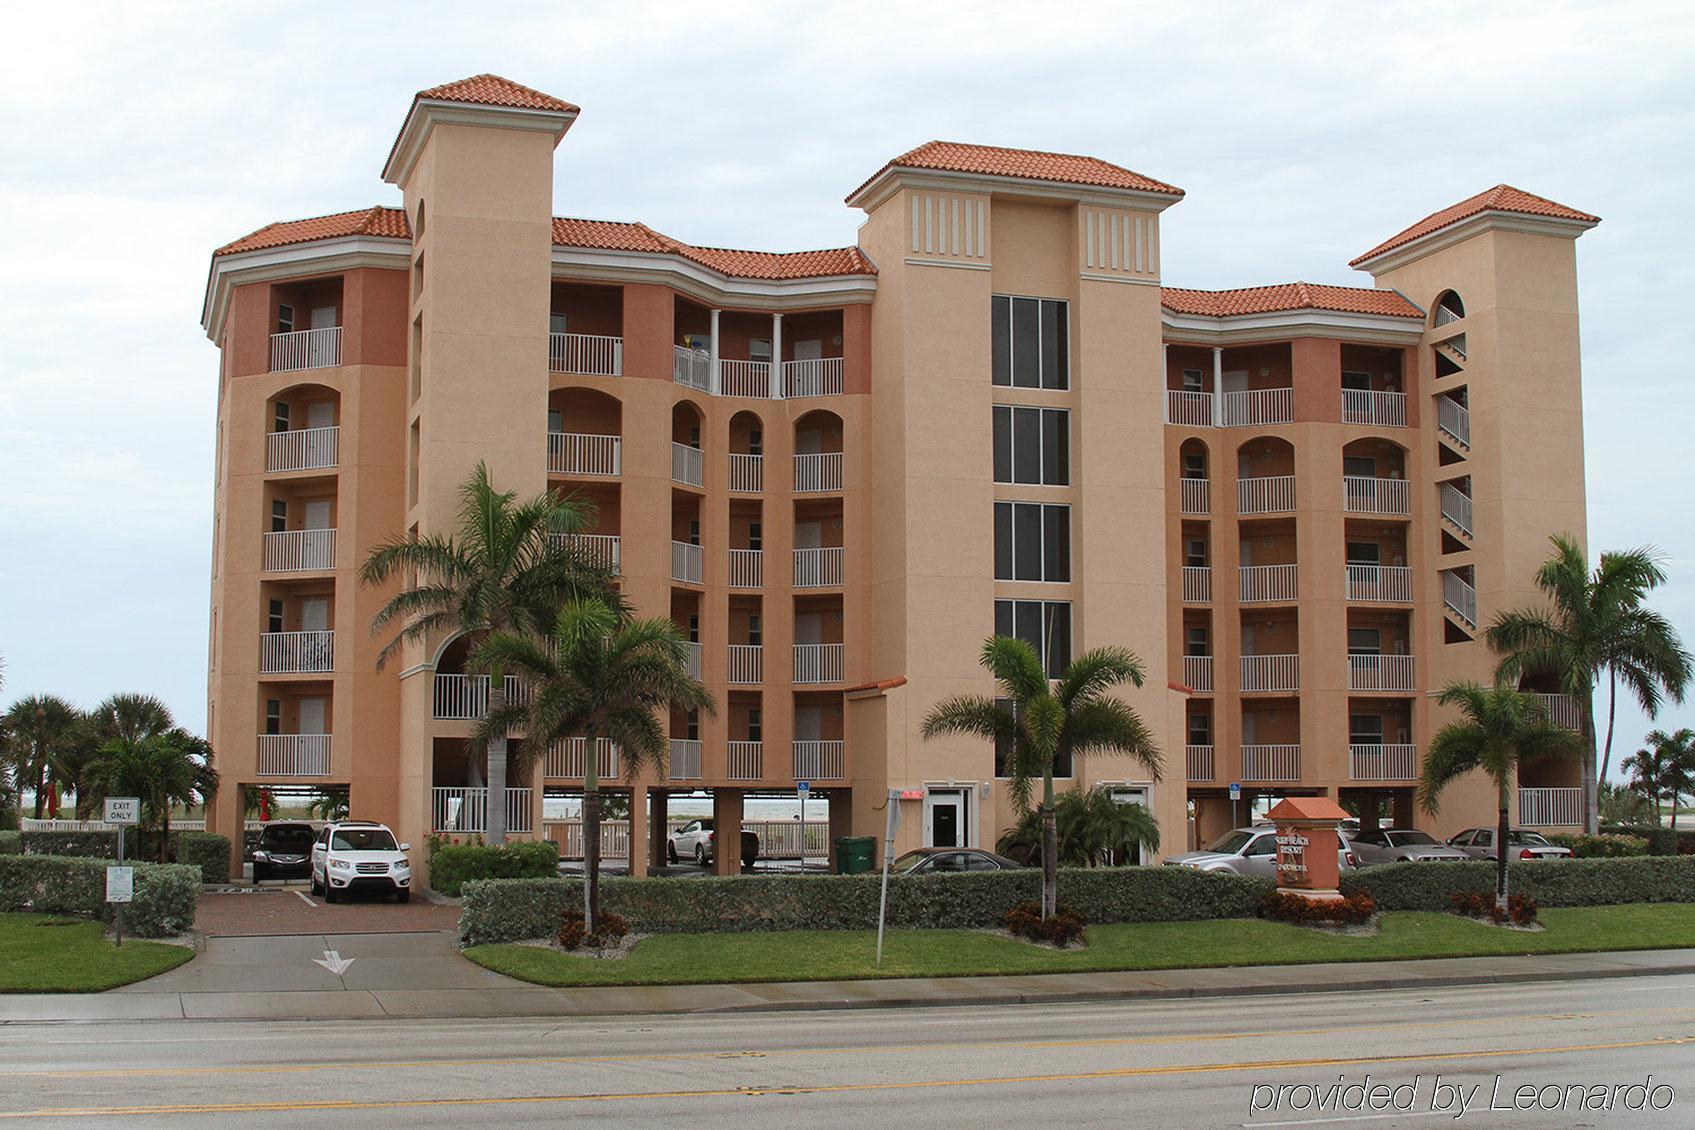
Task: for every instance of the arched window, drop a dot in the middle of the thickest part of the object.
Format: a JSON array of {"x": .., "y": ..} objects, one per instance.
[{"x": 1449, "y": 308}]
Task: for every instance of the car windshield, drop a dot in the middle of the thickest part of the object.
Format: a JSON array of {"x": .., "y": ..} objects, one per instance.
[
  {"x": 362, "y": 839},
  {"x": 1529, "y": 838},
  {"x": 296, "y": 838},
  {"x": 1412, "y": 839},
  {"x": 908, "y": 861},
  {"x": 1231, "y": 842}
]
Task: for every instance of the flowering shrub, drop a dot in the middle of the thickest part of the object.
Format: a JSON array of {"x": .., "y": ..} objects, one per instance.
[
  {"x": 573, "y": 930},
  {"x": 1353, "y": 910},
  {"x": 1026, "y": 921},
  {"x": 1521, "y": 909}
]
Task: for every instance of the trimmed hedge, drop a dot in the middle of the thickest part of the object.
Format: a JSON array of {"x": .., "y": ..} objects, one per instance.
[
  {"x": 206, "y": 850},
  {"x": 11, "y": 843},
  {"x": 81, "y": 845},
  {"x": 165, "y": 893},
  {"x": 453, "y": 865},
  {"x": 1661, "y": 841},
  {"x": 1608, "y": 845},
  {"x": 1566, "y": 882},
  {"x": 508, "y": 910}
]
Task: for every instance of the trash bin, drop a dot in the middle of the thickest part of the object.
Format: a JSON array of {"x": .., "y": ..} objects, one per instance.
[{"x": 855, "y": 855}]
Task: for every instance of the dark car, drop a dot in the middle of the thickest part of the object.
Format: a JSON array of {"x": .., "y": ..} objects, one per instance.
[
  {"x": 284, "y": 851},
  {"x": 939, "y": 861}
]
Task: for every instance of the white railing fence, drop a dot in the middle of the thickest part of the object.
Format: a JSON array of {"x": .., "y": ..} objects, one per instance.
[
  {"x": 747, "y": 664},
  {"x": 604, "y": 550},
  {"x": 1191, "y": 409},
  {"x": 1198, "y": 762},
  {"x": 1398, "y": 762},
  {"x": 818, "y": 568},
  {"x": 688, "y": 465},
  {"x": 693, "y": 651},
  {"x": 747, "y": 473},
  {"x": 306, "y": 349},
  {"x": 1197, "y": 672},
  {"x": 818, "y": 376},
  {"x": 1362, "y": 494},
  {"x": 565, "y": 761},
  {"x": 1261, "y": 583},
  {"x": 1269, "y": 495},
  {"x": 1383, "y": 409},
  {"x": 296, "y": 653},
  {"x": 1380, "y": 673},
  {"x": 306, "y": 449},
  {"x": 818, "y": 662},
  {"x": 686, "y": 559},
  {"x": 1550, "y": 808},
  {"x": 816, "y": 760},
  {"x": 747, "y": 568},
  {"x": 1195, "y": 496},
  {"x": 1271, "y": 763},
  {"x": 578, "y": 453},
  {"x": 691, "y": 368},
  {"x": 1562, "y": 711},
  {"x": 744, "y": 378},
  {"x": 464, "y": 698},
  {"x": 821, "y": 471},
  {"x": 1456, "y": 507},
  {"x": 1454, "y": 418},
  {"x": 778, "y": 839},
  {"x": 294, "y": 755},
  {"x": 743, "y": 761},
  {"x": 683, "y": 762},
  {"x": 1271, "y": 672},
  {"x": 1197, "y": 583},
  {"x": 1387, "y": 583},
  {"x": 465, "y": 810},
  {"x": 299, "y": 551},
  {"x": 1259, "y": 406},
  {"x": 588, "y": 355},
  {"x": 1460, "y": 597}
]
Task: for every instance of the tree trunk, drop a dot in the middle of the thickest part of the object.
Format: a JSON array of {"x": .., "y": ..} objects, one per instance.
[
  {"x": 496, "y": 808},
  {"x": 1612, "y": 711},
  {"x": 1501, "y": 855},
  {"x": 165, "y": 834},
  {"x": 1050, "y": 848},
  {"x": 40, "y": 779},
  {"x": 591, "y": 834},
  {"x": 1590, "y": 784}
]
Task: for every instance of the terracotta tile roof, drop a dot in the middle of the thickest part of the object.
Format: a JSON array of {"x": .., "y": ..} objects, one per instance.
[
  {"x": 608, "y": 235},
  {"x": 1287, "y": 296},
  {"x": 781, "y": 265},
  {"x": 879, "y": 685},
  {"x": 492, "y": 90},
  {"x": 1501, "y": 198},
  {"x": 378, "y": 221},
  {"x": 1024, "y": 164}
]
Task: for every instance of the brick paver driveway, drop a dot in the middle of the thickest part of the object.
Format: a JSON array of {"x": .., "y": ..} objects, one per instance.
[{"x": 290, "y": 910}]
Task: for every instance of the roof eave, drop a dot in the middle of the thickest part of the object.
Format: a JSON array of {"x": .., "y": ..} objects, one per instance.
[
  {"x": 1401, "y": 254},
  {"x": 1304, "y": 322},
  {"x": 426, "y": 113},
  {"x": 704, "y": 283},
  {"x": 294, "y": 260},
  {"x": 893, "y": 177}
]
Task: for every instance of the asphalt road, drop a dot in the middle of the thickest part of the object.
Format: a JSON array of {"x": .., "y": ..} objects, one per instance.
[{"x": 1167, "y": 1063}]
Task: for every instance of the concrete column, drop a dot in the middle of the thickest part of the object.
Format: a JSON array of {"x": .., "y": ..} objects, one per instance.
[
  {"x": 658, "y": 815},
  {"x": 1217, "y": 387},
  {"x": 1213, "y": 817},
  {"x": 1403, "y": 809},
  {"x": 727, "y": 822},
  {"x": 712, "y": 377},
  {"x": 776, "y": 378},
  {"x": 841, "y": 819},
  {"x": 639, "y": 852}
]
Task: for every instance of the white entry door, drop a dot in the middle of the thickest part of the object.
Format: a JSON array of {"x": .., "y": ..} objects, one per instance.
[
  {"x": 320, "y": 415},
  {"x": 809, "y": 724},
  {"x": 318, "y": 514},
  {"x": 315, "y": 614},
  {"x": 809, "y": 628},
  {"x": 321, "y": 348},
  {"x": 809, "y": 443},
  {"x": 317, "y": 552},
  {"x": 809, "y": 535},
  {"x": 310, "y": 758},
  {"x": 808, "y": 350},
  {"x": 946, "y": 818}
]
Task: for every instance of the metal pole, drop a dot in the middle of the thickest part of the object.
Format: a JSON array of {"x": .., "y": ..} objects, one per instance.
[
  {"x": 119, "y": 917},
  {"x": 892, "y": 823},
  {"x": 803, "y": 831}
]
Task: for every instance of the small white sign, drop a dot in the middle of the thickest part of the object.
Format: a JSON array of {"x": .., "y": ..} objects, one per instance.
[
  {"x": 120, "y": 884},
  {"x": 123, "y": 810}
]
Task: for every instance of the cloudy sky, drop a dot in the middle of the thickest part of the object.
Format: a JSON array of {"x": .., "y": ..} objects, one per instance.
[{"x": 135, "y": 138}]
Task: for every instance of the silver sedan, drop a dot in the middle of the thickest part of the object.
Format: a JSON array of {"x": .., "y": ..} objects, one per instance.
[
  {"x": 1479, "y": 843},
  {"x": 1402, "y": 845}
]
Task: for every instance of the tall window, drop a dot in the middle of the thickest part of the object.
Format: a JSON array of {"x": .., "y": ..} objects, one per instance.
[
  {"x": 691, "y": 726},
  {"x": 273, "y": 716},
  {"x": 1032, "y": 445},
  {"x": 755, "y": 632},
  {"x": 279, "y": 515},
  {"x": 1031, "y": 342},
  {"x": 1043, "y": 624},
  {"x": 755, "y": 725},
  {"x": 274, "y": 616},
  {"x": 1365, "y": 729},
  {"x": 1032, "y": 542},
  {"x": 1200, "y": 729},
  {"x": 281, "y": 422},
  {"x": 1003, "y": 749},
  {"x": 756, "y": 535}
]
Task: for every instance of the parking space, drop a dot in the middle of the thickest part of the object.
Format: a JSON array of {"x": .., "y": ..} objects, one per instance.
[{"x": 280, "y": 910}]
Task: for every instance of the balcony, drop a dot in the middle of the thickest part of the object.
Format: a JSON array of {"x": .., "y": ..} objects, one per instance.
[
  {"x": 818, "y": 568},
  {"x": 1380, "y": 409},
  {"x": 747, "y": 568},
  {"x": 820, "y": 760},
  {"x": 564, "y": 760},
  {"x": 1198, "y": 762},
  {"x": 1258, "y": 406},
  {"x": 603, "y": 550},
  {"x": 1562, "y": 711},
  {"x": 1197, "y": 673},
  {"x": 1364, "y": 495},
  {"x": 465, "y": 810},
  {"x": 745, "y": 378},
  {"x": 747, "y": 473},
  {"x": 1459, "y": 597},
  {"x": 577, "y": 453},
  {"x": 1550, "y": 808},
  {"x": 296, "y": 653},
  {"x": 743, "y": 761},
  {"x": 1261, "y": 584},
  {"x": 818, "y": 662},
  {"x": 299, "y": 551},
  {"x": 1380, "y": 673},
  {"x": 1271, "y": 495},
  {"x": 692, "y": 658},
  {"x": 306, "y": 349},
  {"x": 1271, "y": 763},
  {"x": 691, "y": 368},
  {"x": 1194, "y": 496},
  {"x": 464, "y": 698},
  {"x": 1197, "y": 584},
  {"x": 585, "y": 355},
  {"x": 308, "y": 449},
  {"x": 747, "y": 665},
  {"x": 294, "y": 755},
  {"x": 1456, "y": 508},
  {"x": 819, "y": 376},
  {"x": 1188, "y": 408},
  {"x": 818, "y": 473},
  {"x": 688, "y": 465},
  {"x": 1453, "y": 419},
  {"x": 1383, "y": 584},
  {"x": 1270, "y": 673},
  {"x": 683, "y": 764},
  {"x": 1383, "y": 762},
  {"x": 686, "y": 560}
]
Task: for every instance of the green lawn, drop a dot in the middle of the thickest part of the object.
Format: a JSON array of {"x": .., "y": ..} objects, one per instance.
[
  {"x": 41, "y": 953},
  {"x": 670, "y": 959}
]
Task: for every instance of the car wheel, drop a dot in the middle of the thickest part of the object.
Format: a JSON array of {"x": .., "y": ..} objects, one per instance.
[
  {"x": 259, "y": 874},
  {"x": 403, "y": 895},
  {"x": 700, "y": 855},
  {"x": 670, "y": 852},
  {"x": 312, "y": 878},
  {"x": 329, "y": 891}
]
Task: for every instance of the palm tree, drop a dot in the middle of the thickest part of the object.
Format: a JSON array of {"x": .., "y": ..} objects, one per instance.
[
  {"x": 1664, "y": 769},
  {"x": 1498, "y": 730},
  {"x": 1049, "y": 722},
  {"x": 39, "y": 729},
  {"x": 1595, "y": 625},
  {"x": 602, "y": 673},
  {"x": 1092, "y": 829},
  {"x": 512, "y": 566},
  {"x": 163, "y": 769}
]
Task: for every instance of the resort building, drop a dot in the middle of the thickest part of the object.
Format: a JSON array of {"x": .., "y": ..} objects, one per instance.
[{"x": 840, "y": 470}]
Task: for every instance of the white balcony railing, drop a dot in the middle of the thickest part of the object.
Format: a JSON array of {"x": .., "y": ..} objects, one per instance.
[
  {"x": 1259, "y": 406},
  {"x": 1197, "y": 673},
  {"x": 1197, "y": 583},
  {"x": 1270, "y": 495},
  {"x": 688, "y": 465},
  {"x": 747, "y": 665},
  {"x": 818, "y": 568},
  {"x": 747, "y": 473},
  {"x": 1261, "y": 583},
  {"x": 691, "y": 368},
  {"x": 1456, "y": 507},
  {"x": 1562, "y": 711},
  {"x": 464, "y": 698},
  {"x": 1460, "y": 597},
  {"x": 1198, "y": 762},
  {"x": 1362, "y": 494},
  {"x": 683, "y": 762},
  {"x": 686, "y": 560},
  {"x": 578, "y": 453},
  {"x": 1389, "y": 584},
  {"x": 587, "y": 355},
  {"x": 1271, "y": 763},
  {"x": 693, "y": 653},
  {"x": 294, "y": 755},
  {"x": 465, "y": 810},
  {"x": 296, "y": 653},
  {"x": 1454, "y": 418},
  {"x": 1271, "y": 672},
  {"x": 818, "y": 376},
  {"x": 820, "y": 760},
  {"x": 1397, "y": 762},
  {"x": 747, "y": 568},
  {"x": 1550, "y": 808},
  {"x": 744, "y": 378},
  {"x": 1194, "y": 496},
  {"x": 299, "y": 551},
  {"x": 564, "y": 760},
  {"x": 306, "y": 449},
  {"x": 1383, "y": 409},
  {"x": 306, "y": 349},
  {"x": 818, "y": 662},
  {"x": 1191, "y": 409},
  {"x": 1380, "y": 673},
  {"x": 604, "y": 550},
  {"x": 818, "y": 472},
  {"x": 743, "y": 761}
]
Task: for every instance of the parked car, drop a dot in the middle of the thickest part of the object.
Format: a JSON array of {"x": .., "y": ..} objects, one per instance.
[
  {"x": 1251, "y": 851},
  {"x": 695, "y": 840},
  {"x": 1479, "y": 843},
  {"x": 1401, "y": 845},
  {"x": 360, "y": 855},
  {"x": 941, "y": 860},
  {"x": 283, "y": 851}
]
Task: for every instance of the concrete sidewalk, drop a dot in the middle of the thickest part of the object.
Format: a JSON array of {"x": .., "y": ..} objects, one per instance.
[{"x": 471, "y": 992}]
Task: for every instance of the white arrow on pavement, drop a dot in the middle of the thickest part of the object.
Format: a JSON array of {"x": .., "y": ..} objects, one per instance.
[{"x": 334, "y": 962}]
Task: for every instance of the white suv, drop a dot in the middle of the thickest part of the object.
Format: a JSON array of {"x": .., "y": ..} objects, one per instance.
[{"x": 360, "y": 855}]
